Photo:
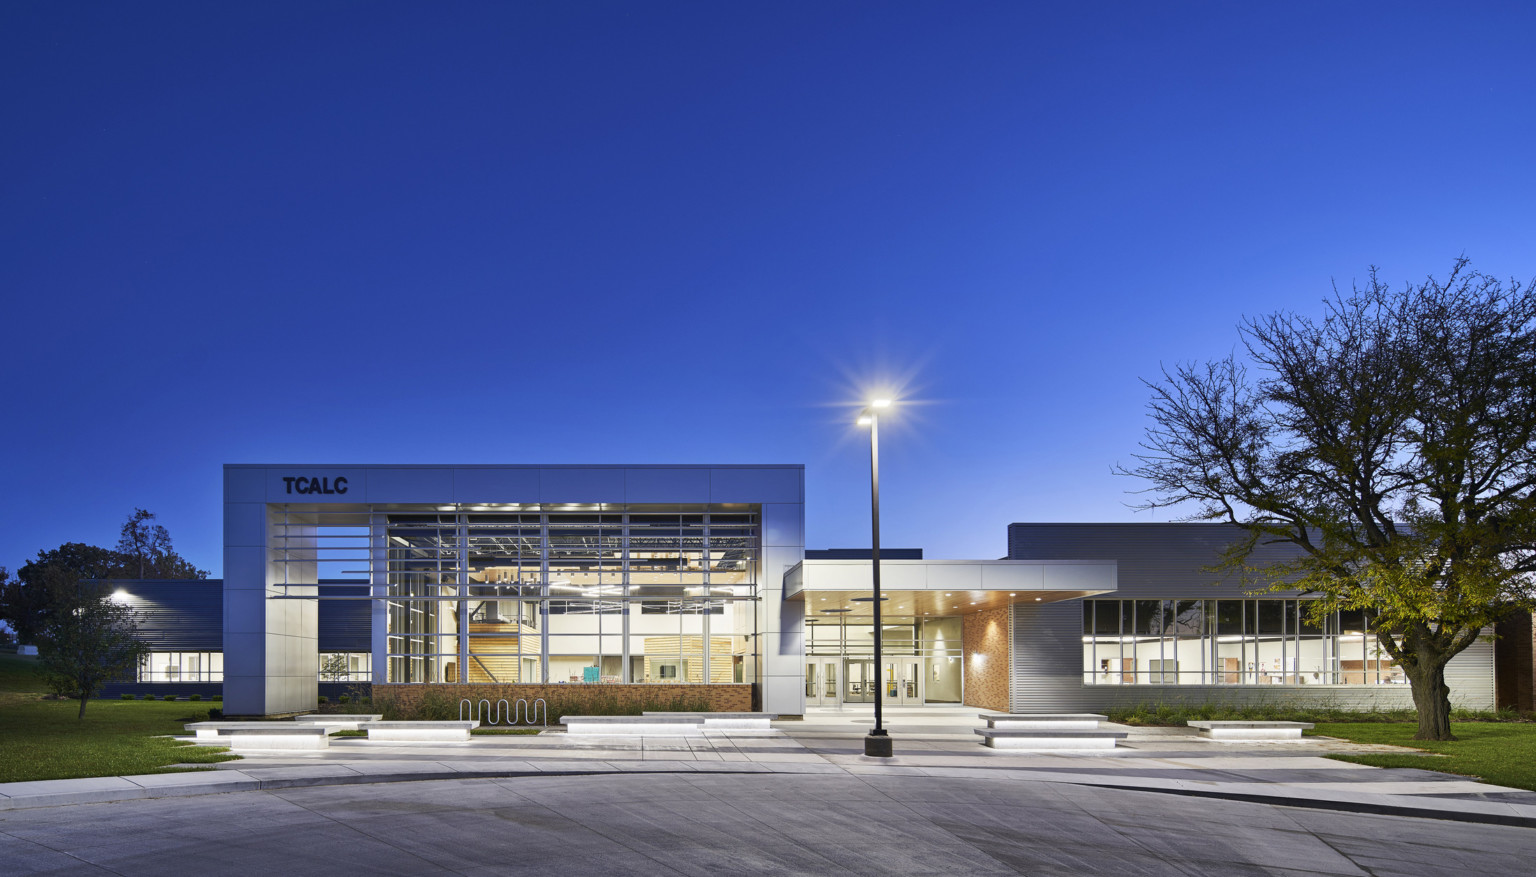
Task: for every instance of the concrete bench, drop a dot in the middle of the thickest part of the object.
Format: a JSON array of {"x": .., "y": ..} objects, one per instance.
[
  {"x": 429, "y": 732},
  {"x": 658, "y": 725},
  {"x": 338, "y": 721},
  {"x": 1059, "y": 721},
  {"x": 1045, "y": 739},
  {"x": 1251, "y": 730},
  {"x": 726, "y": 721},
  {"x": 261, "y": 735}
]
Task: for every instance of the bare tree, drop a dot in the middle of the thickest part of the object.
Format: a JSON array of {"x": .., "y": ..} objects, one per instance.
[
  {"x": 1393, "y": 442},
  {"x": 145, "y": 551}
]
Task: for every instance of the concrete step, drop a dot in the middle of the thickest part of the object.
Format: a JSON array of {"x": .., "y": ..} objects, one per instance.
[
  {"x": 1234, "y": 730},
  {"x": 1049, "y": 738},
  {"x": 1062, "y": 721}
]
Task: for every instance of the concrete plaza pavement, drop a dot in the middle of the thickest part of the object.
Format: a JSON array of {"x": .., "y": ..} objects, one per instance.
[{"x": 800, "y": 799}]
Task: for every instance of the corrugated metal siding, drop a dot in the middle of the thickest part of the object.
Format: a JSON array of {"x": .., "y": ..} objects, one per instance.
[
  {"x": 1471, "y": 678},
  {"x": 1155, "y": 560},
  {"x": 1047, "y": 657},
  {"x": 345, "y": 625},
  {"x": 188, "y": 616},
  {"x": 183, "y": 615}
]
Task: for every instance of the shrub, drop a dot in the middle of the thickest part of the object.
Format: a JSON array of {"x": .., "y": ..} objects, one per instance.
[
  {"x": 195, "y": 697},
  {"x": 1178, "y": 711},
  {"x": 169, "y": 697},
  {"x": 344, "y": 699},
  {"x": 125, "y": 697},
  {"x": 324, "y": 699},
  {"x": 217, "y": 698},
  {"x": 215, "y": 714}
]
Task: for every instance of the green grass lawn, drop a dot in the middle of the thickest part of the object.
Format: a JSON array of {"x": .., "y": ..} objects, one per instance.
[
  {"x": 42, "y": 739},
  {"x": 20, "y": 674},
  {"x": 1503, "y": 753}
]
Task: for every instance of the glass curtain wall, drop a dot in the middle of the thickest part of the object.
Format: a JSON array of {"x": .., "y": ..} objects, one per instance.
[
  {"x": 1229, "y": 642},
  {"x": 570, "y": 597},
  {"x": 423, "y": 638}
]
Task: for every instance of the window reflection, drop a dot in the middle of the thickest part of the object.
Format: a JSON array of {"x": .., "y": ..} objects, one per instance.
[{"x": 1229, "y": 642}]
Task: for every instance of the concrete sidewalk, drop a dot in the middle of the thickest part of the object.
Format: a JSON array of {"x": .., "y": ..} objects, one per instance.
[{"x": 934, "y": 743}]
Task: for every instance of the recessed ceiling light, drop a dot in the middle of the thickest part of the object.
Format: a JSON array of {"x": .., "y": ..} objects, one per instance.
[{"x": 1037, "y": 599}]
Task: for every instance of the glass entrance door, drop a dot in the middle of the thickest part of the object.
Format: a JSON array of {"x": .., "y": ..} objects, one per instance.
[
  {"x": 904, "y": 681},
  {"x": 821, "y": 682},
  {"x": 861, "y": 682}
]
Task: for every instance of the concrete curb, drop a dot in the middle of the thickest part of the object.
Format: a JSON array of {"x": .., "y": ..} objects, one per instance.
[{"x": 1377, "y": 808}]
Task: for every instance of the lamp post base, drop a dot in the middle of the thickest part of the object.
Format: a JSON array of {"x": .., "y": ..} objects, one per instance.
[{"x": 877, "y": 745}]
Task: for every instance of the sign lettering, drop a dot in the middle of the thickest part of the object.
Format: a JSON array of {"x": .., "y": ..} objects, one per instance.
[{"x": 302, "y": 484}]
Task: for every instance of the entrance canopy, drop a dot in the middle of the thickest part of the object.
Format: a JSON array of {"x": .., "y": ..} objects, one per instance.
[{"x": 841, "y": 588}]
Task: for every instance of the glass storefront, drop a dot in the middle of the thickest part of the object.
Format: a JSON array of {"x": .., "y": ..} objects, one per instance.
[
  {"x": 920, "y": 661},
  {"x": 574, "y": 597},
  {"x": 1229, "y": 642}
]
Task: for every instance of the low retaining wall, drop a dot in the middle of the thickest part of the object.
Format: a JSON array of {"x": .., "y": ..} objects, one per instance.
[{"x": 430, "y": 699}]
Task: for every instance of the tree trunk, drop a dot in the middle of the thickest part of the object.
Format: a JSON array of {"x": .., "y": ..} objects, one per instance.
[
  {"x": 1432, "y": 698},
  {"x": 82, "y": 706}
]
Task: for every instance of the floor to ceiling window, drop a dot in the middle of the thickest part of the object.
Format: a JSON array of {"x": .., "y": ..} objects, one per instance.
[
  {"x": 572, "y": 595},
  {"x": 1229, "y": 642}
]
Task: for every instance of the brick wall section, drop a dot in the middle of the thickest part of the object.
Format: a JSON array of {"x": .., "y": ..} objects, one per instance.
[
  {"x": 568, "y": 699},
  {"x": 986, "y": 680},
  {"x": 1514, "y": 661}
]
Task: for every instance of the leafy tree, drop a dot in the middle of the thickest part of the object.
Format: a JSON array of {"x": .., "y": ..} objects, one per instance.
[
  {"x": 93, "y": 643},
  {"x": 144, "y": 551},
  {"x": 1393, "y": 442},
  {"x": 50, "y": 584},
  {"x": 7, "y": 637}
]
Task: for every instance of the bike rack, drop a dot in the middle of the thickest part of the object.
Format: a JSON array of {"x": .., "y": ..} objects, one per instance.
[{"x": 502, "y": 712}]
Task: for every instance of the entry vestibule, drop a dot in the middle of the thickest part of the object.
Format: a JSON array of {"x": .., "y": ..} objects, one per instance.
[{"x": 921, "y": 662}]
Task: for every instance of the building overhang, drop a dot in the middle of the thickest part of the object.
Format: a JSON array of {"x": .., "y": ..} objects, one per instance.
[{"x": 833, "y": 589}]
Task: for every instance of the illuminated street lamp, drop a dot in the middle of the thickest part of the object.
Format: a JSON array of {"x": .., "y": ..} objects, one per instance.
[{"x": 877, "y": 743}]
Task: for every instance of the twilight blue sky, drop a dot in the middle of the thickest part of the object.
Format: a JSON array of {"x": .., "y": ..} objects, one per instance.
[{"x": 698, "y": 232}]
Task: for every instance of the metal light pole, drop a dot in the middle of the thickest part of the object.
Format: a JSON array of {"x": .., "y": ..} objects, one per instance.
[{"x": 877, "y": 743}]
